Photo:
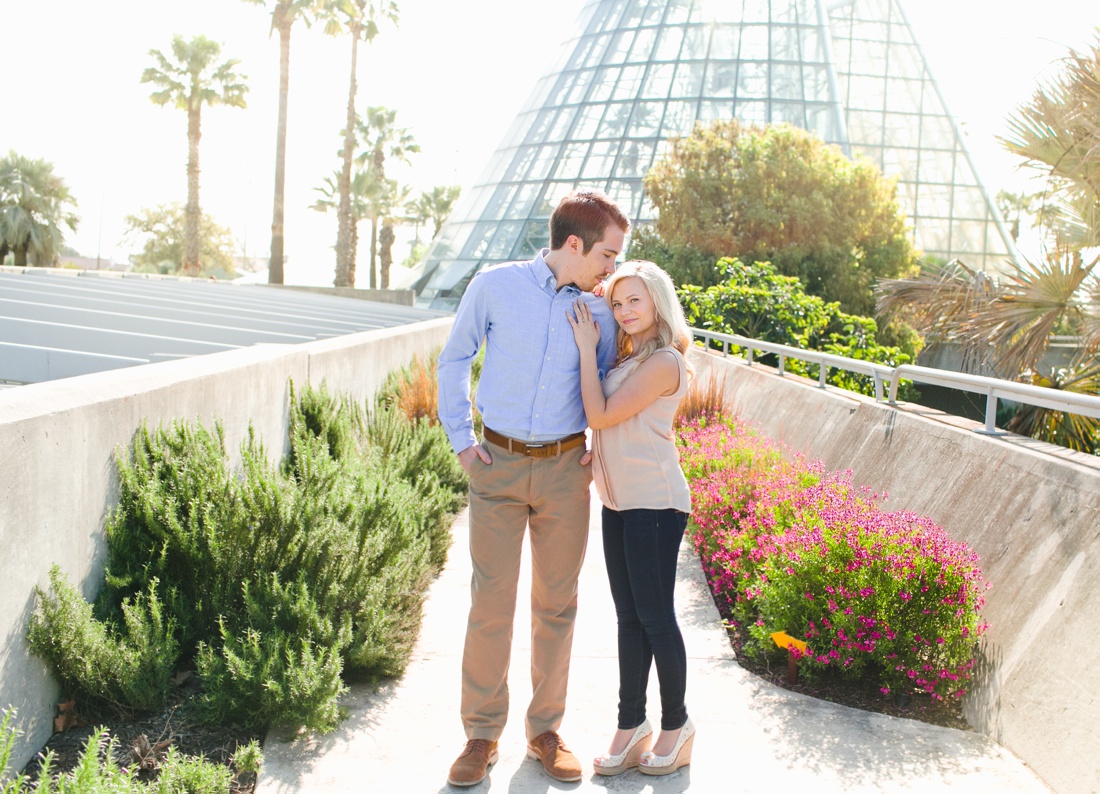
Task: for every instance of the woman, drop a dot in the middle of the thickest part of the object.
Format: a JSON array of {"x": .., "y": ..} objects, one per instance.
[{"x": 646, "y": 505}]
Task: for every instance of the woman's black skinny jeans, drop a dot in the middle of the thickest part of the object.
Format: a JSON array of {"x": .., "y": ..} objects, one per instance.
[{"x": 640, "y": 548}]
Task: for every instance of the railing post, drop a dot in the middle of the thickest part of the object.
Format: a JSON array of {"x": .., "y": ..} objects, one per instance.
[
  {"x": 823, "y": 372},
  {"x": 878, "y": 386},
  {"x": 782, "y": 364},
  {"x": 991, "y": 411}
]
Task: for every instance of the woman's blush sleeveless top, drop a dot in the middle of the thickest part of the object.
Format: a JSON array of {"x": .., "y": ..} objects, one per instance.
[{"x": 635, "y": 463}]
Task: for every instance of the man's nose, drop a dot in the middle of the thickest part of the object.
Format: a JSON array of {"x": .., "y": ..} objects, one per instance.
[{"x": 609, "y": 268}]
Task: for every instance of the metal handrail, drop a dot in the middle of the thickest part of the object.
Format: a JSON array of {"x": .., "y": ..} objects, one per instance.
[
  {"x": 879, "y": 373},
  {"x": 994, "y": 388}
]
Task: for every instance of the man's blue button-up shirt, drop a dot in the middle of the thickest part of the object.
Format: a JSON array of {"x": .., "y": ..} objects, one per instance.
[{"x": 530, "y": 383}]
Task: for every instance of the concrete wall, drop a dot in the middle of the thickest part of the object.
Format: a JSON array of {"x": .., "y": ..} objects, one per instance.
[
  {"x": 1031, "y": 510},
  {"x": 401, "y": 297},
  {"x": 58, "y": 442}
]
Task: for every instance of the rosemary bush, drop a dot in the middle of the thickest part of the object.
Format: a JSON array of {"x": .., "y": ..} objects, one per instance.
[{"x": 275, "y": 582}]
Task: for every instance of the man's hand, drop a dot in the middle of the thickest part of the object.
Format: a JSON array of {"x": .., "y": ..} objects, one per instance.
[
  {"x": 467, "y": 456},
  {"x": 586, "y": 458}
]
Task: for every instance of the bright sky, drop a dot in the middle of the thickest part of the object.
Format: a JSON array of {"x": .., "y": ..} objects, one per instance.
[{"x": 457, "y": 73}]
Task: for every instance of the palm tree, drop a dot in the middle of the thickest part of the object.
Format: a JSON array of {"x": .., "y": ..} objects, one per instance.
[
  {"x": 284, "y": 13},
  {"x": 436, "y": 206},
  {"x": 1011, "y": 322},
  {"x": 34, "y": 205},
  {"x": 383, "y": 139},
  {"x": 189, "y": 81},
  {"x": 360, "y": 19}
]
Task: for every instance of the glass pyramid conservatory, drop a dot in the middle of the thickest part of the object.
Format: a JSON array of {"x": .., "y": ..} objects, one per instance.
[{"x": 640, "y": 71}]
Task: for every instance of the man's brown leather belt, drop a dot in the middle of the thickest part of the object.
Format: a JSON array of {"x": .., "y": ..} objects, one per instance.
[{"x": 542, "y": 449}]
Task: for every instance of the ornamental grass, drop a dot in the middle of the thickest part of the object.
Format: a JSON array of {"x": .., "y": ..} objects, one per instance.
[{"x": 788, "y": 546}]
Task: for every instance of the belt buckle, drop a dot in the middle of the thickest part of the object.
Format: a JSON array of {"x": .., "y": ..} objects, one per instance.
[{"x": 534, "y": 450}]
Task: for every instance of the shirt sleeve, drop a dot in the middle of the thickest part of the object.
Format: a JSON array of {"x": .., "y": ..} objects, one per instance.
[{"x": 470, "y": 325}]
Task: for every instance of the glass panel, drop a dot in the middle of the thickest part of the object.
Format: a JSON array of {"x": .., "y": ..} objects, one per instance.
[
  {"x": 505, "y": 239},
  {"x": 643, "y": 45},
  {"x": 480, "y": 238},
  {"x": 572, "y": 158},
  {"x": 658, "y": 83},
  {"x": 654, "y": 13},
  {"x": 901, "y": 130},
  {"x": 786, "y": 81},
  {"x": 933, "y": 234},
  {"x": 602, "y": 157},
  {"x": 689, "y": 79},
  {"x": 903, "y": 95},
  {"x": 615, "y": 120},
  {"x": 450, "y": 273},
  {"x": 723, "y": 42},
  {"x": 865, "y": 127},
  {"x": 619, "y": 47},
  {"x": 524, "y": 201},
  {"x": 789, "y": 112},
  {"x": 679, "y": 117},
  {"x": 629, "y": 163},
  {"x": 588, "y": 122},
  {"x": 668, "y": 46},
  {"x": 936, "y": 167},
  {"x": 580, "y": 86},
  {"x": 540, "y": 168},
  {"x": 969, "y": 203},
  {"x": 535, "y": 236},
  {"x": 646, "y": 119},
  {"x": 752, "y": 80},
  {"x": 604, "y": 84},
  {"x": 934, "y": 200},
  {"x": 867, "y": 92},
  {"x": 756, "y": 10},
  {"x": 561, "y": 124},
  {"x": 629, "y": 82},
  {"x": 754, "y": 42},
  {"x": 501, "y": 200},
  {"x": 679, "y": 11},
  {"x": 753, "y": 112},
  {"x": 821, "y": 120}
]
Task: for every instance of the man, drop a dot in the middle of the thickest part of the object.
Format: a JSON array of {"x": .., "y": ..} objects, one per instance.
[{"x": 532, "y": 470}]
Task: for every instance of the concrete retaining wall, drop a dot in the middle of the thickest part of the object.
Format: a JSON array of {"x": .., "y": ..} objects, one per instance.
[
  {"x": 58, "y": 442},
  {"x": 1031, "y": 510}
]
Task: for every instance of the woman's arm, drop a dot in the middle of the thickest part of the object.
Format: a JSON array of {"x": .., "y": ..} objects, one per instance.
[{"x": 654, "y": 377}]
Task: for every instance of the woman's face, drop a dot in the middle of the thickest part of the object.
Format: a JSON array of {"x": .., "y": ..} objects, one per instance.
[{"x": 634, "y": 309}]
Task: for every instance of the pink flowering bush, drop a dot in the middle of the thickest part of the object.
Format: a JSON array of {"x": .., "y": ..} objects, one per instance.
[{"x": 790, "y": 547}]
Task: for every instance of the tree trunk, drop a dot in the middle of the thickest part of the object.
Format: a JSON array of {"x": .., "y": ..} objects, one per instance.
[
  {"x": 373, "y": 250},
  {"x": 21, "y": 255},
  {"x": 275, "y": 264},
  {"x": 345, "y": 267},
  {"x": 192, "y": 264},
  {"x": 385, "y": 252}
]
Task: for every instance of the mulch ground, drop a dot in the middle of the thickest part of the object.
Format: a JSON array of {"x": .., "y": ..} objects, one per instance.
[
  {"x": 863, "y": 695},
  {"x": 143, "y": 739}
]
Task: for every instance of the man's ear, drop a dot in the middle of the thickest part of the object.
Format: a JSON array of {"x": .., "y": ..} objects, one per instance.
[{"x": 575, "y": 244}]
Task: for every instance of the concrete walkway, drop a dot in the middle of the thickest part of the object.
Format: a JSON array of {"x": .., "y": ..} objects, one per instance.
[{"x": 752, "y": 736}]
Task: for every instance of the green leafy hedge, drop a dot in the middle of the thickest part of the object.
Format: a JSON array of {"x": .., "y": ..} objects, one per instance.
[{"x": 276, "y": 583}]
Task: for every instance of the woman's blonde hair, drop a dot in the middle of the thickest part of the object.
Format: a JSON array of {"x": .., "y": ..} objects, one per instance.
[{"x": 672, "y": 326}]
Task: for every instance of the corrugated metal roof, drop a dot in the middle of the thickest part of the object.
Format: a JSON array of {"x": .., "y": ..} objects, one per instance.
[{"x": 60, "y": 323}]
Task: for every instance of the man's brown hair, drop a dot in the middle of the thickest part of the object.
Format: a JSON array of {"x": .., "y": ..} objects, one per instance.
[{"x": 587, "y": 214}]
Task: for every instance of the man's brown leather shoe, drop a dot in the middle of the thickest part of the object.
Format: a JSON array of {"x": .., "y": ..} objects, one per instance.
[
  {"x": 473, "y": 765},
  {"x": 556, "y": 759}
]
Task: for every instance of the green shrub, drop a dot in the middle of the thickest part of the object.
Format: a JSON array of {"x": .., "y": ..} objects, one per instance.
[
  {"x": 123, "y": 667},
  {"x": 793, "y": 548},
  {"x": 275, "y": 582}
]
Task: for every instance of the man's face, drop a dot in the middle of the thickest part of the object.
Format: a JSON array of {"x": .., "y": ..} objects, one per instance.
[{"x": 598, "y": 263}]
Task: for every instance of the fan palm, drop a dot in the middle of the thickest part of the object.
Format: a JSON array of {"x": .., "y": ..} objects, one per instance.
[
  {"x": 435, "y": 206},
  {"x": 34, "y": 206},
  {"x": 190, "y": 79},
  {"x": 284, "y": 13},
  {"x": 1009, "y": 324},
  {"x": 359, "y": 18}
]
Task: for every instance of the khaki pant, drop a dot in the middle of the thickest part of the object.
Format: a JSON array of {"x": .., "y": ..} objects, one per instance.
[{"x": 551, "y": 496}]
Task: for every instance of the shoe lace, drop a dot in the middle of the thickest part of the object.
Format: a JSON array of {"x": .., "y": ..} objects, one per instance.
[
  {"x": 479, "y": 746},
  {"x": 550, "y": 740}
]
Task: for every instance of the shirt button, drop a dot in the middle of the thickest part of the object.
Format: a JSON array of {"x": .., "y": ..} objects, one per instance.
[{"x": 542, "y": 387}]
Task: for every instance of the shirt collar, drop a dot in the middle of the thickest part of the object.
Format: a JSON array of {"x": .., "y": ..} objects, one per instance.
[{"x": 545, "y": 276}]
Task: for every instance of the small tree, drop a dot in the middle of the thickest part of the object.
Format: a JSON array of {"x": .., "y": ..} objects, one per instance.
[
  {"x": 780, "y": 194},
  {"x": 160, "y": 232},
  {"x": 191, "y": 79}
]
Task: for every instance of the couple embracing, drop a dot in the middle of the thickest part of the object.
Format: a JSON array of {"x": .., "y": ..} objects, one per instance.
[{"x": 560, "y": 359}]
